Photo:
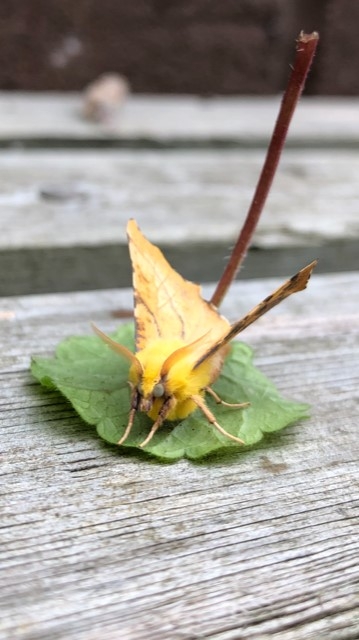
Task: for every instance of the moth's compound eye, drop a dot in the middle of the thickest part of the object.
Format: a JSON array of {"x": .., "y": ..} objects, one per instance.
[{"x": 158, "y": 390}]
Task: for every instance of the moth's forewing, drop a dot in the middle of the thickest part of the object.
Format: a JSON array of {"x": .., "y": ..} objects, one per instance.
[
  {"x": 166, "y": 305},
  {"x": 298, "y": 282}
]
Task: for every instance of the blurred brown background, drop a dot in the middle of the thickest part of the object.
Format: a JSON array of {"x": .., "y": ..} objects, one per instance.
[{"x": 205, "y": 47}]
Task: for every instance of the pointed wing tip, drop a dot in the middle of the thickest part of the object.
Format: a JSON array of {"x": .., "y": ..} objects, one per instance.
[
  {"x": 312, "y": 264},
  {"x": 119, "y": 349},
  {"x": 132, "y": 226},
  {"x": 299, "y": 281},
  {"x": 305, "y": 273},
  {"x": 95, "y": 328}
]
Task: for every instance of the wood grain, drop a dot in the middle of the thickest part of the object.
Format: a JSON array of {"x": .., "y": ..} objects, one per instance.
[
  {"x": 65, "y": 199},
  {"x": 262, "y": 544},
  {"x": 63, "y": 214}
]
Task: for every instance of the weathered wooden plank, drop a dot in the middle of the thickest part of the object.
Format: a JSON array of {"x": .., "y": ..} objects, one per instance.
[
  {"x": 177, "y": 119},
  {"x": 84, "y": 198},
  {"x": 262, "y": 544},
  {"x": 69, "y": 211}
]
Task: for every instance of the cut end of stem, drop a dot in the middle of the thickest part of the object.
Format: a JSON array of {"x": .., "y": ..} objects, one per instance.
[{"x": 307, "y": 37}]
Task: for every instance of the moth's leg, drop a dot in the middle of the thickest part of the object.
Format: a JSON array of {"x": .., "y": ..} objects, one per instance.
[
  {"x": 198, "y": 400},
  {"x": 162, "y": 415},
  {"x": 219, "y": 400},
  {"x": 131, "y": 417}
]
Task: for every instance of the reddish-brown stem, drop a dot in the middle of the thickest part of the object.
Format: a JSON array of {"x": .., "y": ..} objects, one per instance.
[{"x": 305, "y": 49}]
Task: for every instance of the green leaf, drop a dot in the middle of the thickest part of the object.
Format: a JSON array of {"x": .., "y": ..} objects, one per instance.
[{"x": 94, "y": 380}]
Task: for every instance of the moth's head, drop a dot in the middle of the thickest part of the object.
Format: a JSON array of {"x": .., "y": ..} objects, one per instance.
[
  {"x": 165, "y": 369},
  {"x": 148, "y": 373}
]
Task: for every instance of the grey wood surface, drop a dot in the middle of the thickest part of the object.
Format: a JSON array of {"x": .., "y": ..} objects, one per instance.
[
  {"x": 63, "y": 213},
  {"x": 174, "y": 119},
  {"x": 63, "y": 210},
  {"x": 262, "y": 544},
  {"x": 62, "y": 198}
]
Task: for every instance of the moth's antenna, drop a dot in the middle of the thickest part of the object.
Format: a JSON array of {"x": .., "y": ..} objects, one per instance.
[{"x": 306, "y": 45}]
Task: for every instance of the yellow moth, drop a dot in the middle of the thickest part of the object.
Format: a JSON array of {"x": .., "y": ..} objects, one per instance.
[{"x": 181, "y": 339}]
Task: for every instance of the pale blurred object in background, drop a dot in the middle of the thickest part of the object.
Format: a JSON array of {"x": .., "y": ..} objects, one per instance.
[{"x": 104, "y": 96}]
